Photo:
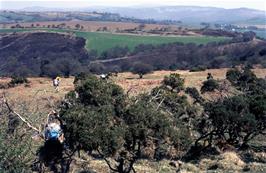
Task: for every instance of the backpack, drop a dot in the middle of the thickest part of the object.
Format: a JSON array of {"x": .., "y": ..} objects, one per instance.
[{"x": 53, "y": 132}]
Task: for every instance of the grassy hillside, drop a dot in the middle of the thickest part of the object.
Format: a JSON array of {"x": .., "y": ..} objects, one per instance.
[{"x": 104, "y": 41}]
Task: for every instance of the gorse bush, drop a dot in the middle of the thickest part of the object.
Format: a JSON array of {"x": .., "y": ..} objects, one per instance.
[
  {"x": 194, "y": 93},
  {"x": 101, "y": 120},
  {"x": 174, "y": 81},
  {"x": 246, "y": 81},
  {"x": 99, "y": 117},
  {"x": 236, "y": 120},
  {"x": 240, "y": 118},
  {"x": 209, "y": 85},
  {"x": 15, "y": 147},
  {"x": 17, "y": 80}
]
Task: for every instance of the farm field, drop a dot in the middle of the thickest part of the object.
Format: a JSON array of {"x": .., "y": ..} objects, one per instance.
[
  {"x": 105, "y": 41},
  {"x": 101, "y": 42}
]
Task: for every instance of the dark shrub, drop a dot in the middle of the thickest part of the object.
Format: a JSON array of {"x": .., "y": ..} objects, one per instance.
[
  {"x": 198, "y": 68},
  {"x": 233, "y": 75},
  {"x": 209, "y": 86},
  {"x": 17, "y": 80},
  {"x": 235, "y": 120},
  {"x": 174, "y": 81},
  {"x": 193, "y": 92}
]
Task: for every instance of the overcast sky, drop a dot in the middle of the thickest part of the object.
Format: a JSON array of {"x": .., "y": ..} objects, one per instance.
[{"x": 19, "y": 4}]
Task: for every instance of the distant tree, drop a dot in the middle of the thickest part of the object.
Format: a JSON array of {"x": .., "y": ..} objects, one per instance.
[
  {"x": 248, "y": 36},
  {"x": 141, "y": 69},
  {"x": 104, "y": 28},
  {"x": 141, "y": 27},
  {"x": 77, "y": 26},
  {"x": 17, "y": 26}
]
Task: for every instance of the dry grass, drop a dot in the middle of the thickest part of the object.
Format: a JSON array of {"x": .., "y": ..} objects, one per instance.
[
  {"x": 40, "y": 94},
  {"x": 41, "y": 88},
  {"x": 192, "y": 79}
]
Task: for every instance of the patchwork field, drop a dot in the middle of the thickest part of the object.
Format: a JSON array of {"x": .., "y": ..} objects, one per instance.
[
  {"x": 100, "y": 41},
  {"x": 91, "y": 25}
]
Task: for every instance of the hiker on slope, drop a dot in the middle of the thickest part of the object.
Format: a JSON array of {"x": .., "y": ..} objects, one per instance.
[
  {"x": 56, "y": 82},
  {"x": 53, "y": 129}
]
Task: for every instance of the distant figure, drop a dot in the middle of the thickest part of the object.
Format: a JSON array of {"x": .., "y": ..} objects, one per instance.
[
  {"x": 56, "y": 83},
  {"x": 209, "y": 76},
  {"x": 105, "y": 76}
]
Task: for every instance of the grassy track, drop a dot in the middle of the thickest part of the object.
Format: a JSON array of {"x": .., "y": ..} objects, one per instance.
[{"x": 104, "y": 41}]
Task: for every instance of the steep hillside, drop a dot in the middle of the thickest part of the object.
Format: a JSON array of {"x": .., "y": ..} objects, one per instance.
[
  {"x": 41, "y": 53},
  {"x": 191, "y": 56}
]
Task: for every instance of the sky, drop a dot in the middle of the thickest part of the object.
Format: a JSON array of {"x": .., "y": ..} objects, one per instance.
[{"x": 20, "y": 4}]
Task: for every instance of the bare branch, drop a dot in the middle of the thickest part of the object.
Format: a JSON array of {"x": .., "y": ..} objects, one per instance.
[
  {"x": 20, "y": 117},
  {"x": 160, "y": 103}
]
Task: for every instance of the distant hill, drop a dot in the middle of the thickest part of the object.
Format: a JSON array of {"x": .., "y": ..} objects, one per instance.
[{"x": 189, "y": 14}]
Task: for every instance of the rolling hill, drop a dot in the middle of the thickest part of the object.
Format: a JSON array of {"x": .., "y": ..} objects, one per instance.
[
  {"x": 101, "y": 42},
  {"x": 189, "y": 14}
]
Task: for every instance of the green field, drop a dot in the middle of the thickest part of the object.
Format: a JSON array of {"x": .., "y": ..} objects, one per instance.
[{"x": 104, "y": 41}]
